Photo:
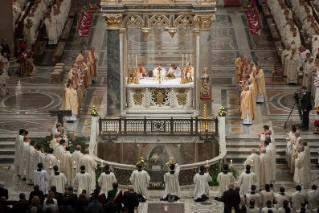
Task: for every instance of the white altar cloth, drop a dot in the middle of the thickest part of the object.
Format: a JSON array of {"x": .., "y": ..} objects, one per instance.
[{"x": 150, "y": 83}]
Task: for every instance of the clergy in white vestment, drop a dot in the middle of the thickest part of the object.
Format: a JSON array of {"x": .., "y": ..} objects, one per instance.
[
  {"x": 29, "y": 163},
  {"x": 307, "y": 162},
  {"x": 281, "y": 197},
  {"x": 224, "y": 178},
  {"x": 304, "y": 53},
  {"x": 253, "y": 161},
  {"x": 268, "y": 207},
  {"x": 264, "y": 169},
  {"x": 285, "y": 55},
  {"x": 307, "y": 79},
  {"x": 266, "y": 195},
  {"x": 251, "y": 207},
  {"x": 49, "y": 161},
  {"x": 253, "y": 195},
  {"x": 90, "y": 166},
  {"x": 106, "y": 180},
  {"x": 289, "y": 147},
  {"x": 58, "y": 180},
  {"x": 312, "y": 198},
  {"x": 24, "y": 150},
  {"x": 18, "y": 150},
  {"x": 297, "y": 198},
  {"x": 83, "y": 181},
  {"x": 75, "y": 157},
  {"x": 175, "y": 71},
  {"x": 201, "y": 180},
  {"x": 172, "y": 188},
  {"x": 303, "y": 208},
  {"x": 60, "y": 148},
  {"x": 38, "y": 157},
  {"x": 55, "y": 141},
  {"x": 40, "y": 178},
  {"x": 159, "y": 70},
  {"x": 316, "y": 89},
  {"x": 271, "y": 152},
  {"x": 57, "y": 18},
  {"x": 293, "y": 67},
  {"x": 301, "y": 177},
  {"x": 246, "y": 180},
  {"x": 51, "y": 30},
  {"x": 140, "y": 180},
  {"x": 285, "y": 206},
  {"x": 66, "y": 165}
]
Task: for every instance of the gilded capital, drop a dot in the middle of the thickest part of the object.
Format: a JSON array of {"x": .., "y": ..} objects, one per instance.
[
  {"x": 204, "y": 22},
  {"x": 122, "y": 31},
  {"x": 113, "y": 21}
]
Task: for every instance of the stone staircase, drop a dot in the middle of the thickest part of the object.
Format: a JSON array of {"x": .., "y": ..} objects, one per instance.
[
  {"x": 7, "y": 151},
  {"x": 238, "y": 149}
]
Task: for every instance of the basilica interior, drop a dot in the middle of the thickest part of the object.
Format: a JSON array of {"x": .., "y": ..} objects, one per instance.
[{"x": 154, "y": 118}]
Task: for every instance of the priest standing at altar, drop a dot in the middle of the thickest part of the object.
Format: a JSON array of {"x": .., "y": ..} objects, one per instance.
[
  {"x": 159, "y": 68},
  {"x": 140, "y": 180},
  {"x": 175, "y": 71}
]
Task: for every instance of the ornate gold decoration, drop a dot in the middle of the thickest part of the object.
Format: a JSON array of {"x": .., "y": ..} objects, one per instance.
[
  {"x": 196, "y": 31},
  {"x": 172, "y": 31},
  {"x": 138, "y": 97},
  {"x": 204, "y": 22},
  {"x": 181, "y": 97},
  {"x": 133, "y": 21},
  {"x": 146, "y": 31},
  {"x": 159, "y": 21},
  {"x": 159, "y": 97},
  {"x": 184, "y": 21},
  {"x": 113, "y": 21},
  {"x": 122, "y": 31}
]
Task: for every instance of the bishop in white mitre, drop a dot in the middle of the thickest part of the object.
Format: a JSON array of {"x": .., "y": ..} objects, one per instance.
[
  {"x": 83, "y": 181},
  {"x": 40, "y": 178},
  {"x": 67, "y": 165},
  {"x": 49, "y": 161},
  {"x": 246, "y": 180},
  {"x": 171, "y": 181},
  {"x": 201, "y": 180},
  {"x": 140, "y": 180},
  {"x": 90, "y": 166},
  {"x": 301, "y": 177},
  {"x": 106, "y": 180},
  {"x": 75, "y": 157},
  {"x": 224, "y": 179},
  {"x": 264, "y": 169},
  {"x": 253, "y": 161},
  {"x": 29, "y": 163},
  {"x": 58, "y": 180},
  {"x": 162, "y": 71},
  {"x": 18, "y": 149}
]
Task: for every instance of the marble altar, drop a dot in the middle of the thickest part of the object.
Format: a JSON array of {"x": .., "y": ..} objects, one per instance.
[{"x": 151, "y": 95}]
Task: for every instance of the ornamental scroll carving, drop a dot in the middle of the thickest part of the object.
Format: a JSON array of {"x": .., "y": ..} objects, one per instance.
[
  {"x": 204, "y": 22},
  {"x": 113, "y": 21},
  {"x": 123, "y": 176},
  {"x": 186, "y": 176}
]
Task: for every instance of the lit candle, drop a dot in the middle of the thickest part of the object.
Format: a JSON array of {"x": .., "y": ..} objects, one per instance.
[
  {"x": 50, "y": 164},
  {"x": 231, "y": 162}
]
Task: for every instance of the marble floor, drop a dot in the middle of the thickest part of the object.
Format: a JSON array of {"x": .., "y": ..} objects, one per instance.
[{"x": 31, "y": 98}]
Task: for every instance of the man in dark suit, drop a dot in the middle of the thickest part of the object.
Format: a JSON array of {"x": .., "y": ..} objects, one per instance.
[
  {"x": 305, "y": 107},
  {"x": 3, "y": 191},
  {"x": 130, "y": 199},
  {"x": 21, "y": 206},
  {"x": 231, "y": 199},
  {"x": 38, "y": 193},
  {"x": 116, "y": 194},
  {"x": 73, "y": 197},
  {"x": 5, "y": 49},
  {"x": 58, "y": 195}
]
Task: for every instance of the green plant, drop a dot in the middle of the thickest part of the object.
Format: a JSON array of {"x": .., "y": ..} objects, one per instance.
[
  {"x": 45, "y": 144},
  {"x": 214, "y": 176},
  {"x": 98, "y": 173},
  {"x": 94, "y": 112},
  {"x": 79, "y": 142}
]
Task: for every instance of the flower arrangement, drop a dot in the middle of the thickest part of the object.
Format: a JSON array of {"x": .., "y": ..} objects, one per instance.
[
  {"x": 317, "y": 110},
  {"x": 141, "y": 162},
  {"x": 94, "y": 112},
  {"x": 222, "y": 112}
]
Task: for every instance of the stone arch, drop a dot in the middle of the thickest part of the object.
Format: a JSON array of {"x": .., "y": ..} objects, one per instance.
[{"x": 159, "y": 21}]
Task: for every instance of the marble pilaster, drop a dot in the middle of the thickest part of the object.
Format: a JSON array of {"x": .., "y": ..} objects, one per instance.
[{"x": 113, "y": 78}]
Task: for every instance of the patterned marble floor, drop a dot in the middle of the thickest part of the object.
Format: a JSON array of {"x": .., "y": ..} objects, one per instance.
[{"x": 31, "y": 98}]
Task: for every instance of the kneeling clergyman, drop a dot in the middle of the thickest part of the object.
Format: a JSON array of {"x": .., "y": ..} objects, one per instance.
[
  {"x": 201, "y": 181},
  {"x": 172, "y": 188}
]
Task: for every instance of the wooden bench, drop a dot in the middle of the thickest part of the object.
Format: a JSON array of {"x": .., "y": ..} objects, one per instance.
[
  {"x": 59, "y": 51},
  {"x": 55, "y": 77},
  {"x": 277, "y": 73}
]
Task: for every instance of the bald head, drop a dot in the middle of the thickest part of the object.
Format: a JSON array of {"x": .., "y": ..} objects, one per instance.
[
  {"x": 263, "y": 150},
  {"x": 86, "y": 151},
  {"x": 231, "y": 186},
  {"x": 297, "y": 134},
  {"x": 78, "y": 147},
  {"x": 253, "y": 150}
]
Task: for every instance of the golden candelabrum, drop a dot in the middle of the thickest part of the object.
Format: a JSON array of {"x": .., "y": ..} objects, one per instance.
[
  {"x": 205, "y": 124},
  {"x": 134, "y": 78},
  {"x": 185, "y": 79}
]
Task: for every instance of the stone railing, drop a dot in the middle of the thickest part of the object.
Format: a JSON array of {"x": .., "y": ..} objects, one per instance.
[{"x": 123, "y": 171}]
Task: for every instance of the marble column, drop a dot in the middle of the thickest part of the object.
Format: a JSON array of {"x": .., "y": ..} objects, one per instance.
[
  {"x": 203, "y": 51},
  {"x": 114, "y": 67},
  {"x": 6, "y": 23}
]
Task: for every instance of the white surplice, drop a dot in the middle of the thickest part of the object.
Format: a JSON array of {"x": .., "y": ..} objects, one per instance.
[
  {"x": 90, "y": 166},
  {"x": 38, "y": 157},
  {"x": 312, "y": 198},
  {"x": 140, "y": 181},
  {"x": 271, "y": 152},
  {"x": 83, "y": 182},
  {"x": 40, "y": 178},
  {"x": 106, "y": 181},
  {"x": 172, "y": 183},
  {"x": 264, "y": 170},
  {"x": 201, "y": 181},
  {"x": 265, "y": 196},
  {"x": 59, "y": 151},
  {"x": 296, "y": 199},
  {"x": 66, "y": 167},
  {"x": 23, "y": 161},
  {"x": 253, "y": 161},
  {"x": 280, "y": 198},
  {"x": 246, "y": 180},
  {"x": 54, "y": 162},
  {"x": 17, "y": 154},
  {"x": 301, "y": 176},
  {"x": 29, "y": 163},
  {"x": 59, "y": 181},
  {"x": 256, "y": 197},
  {"x": 75, "y": 157},
  {"x": 224, "y": 179}
]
